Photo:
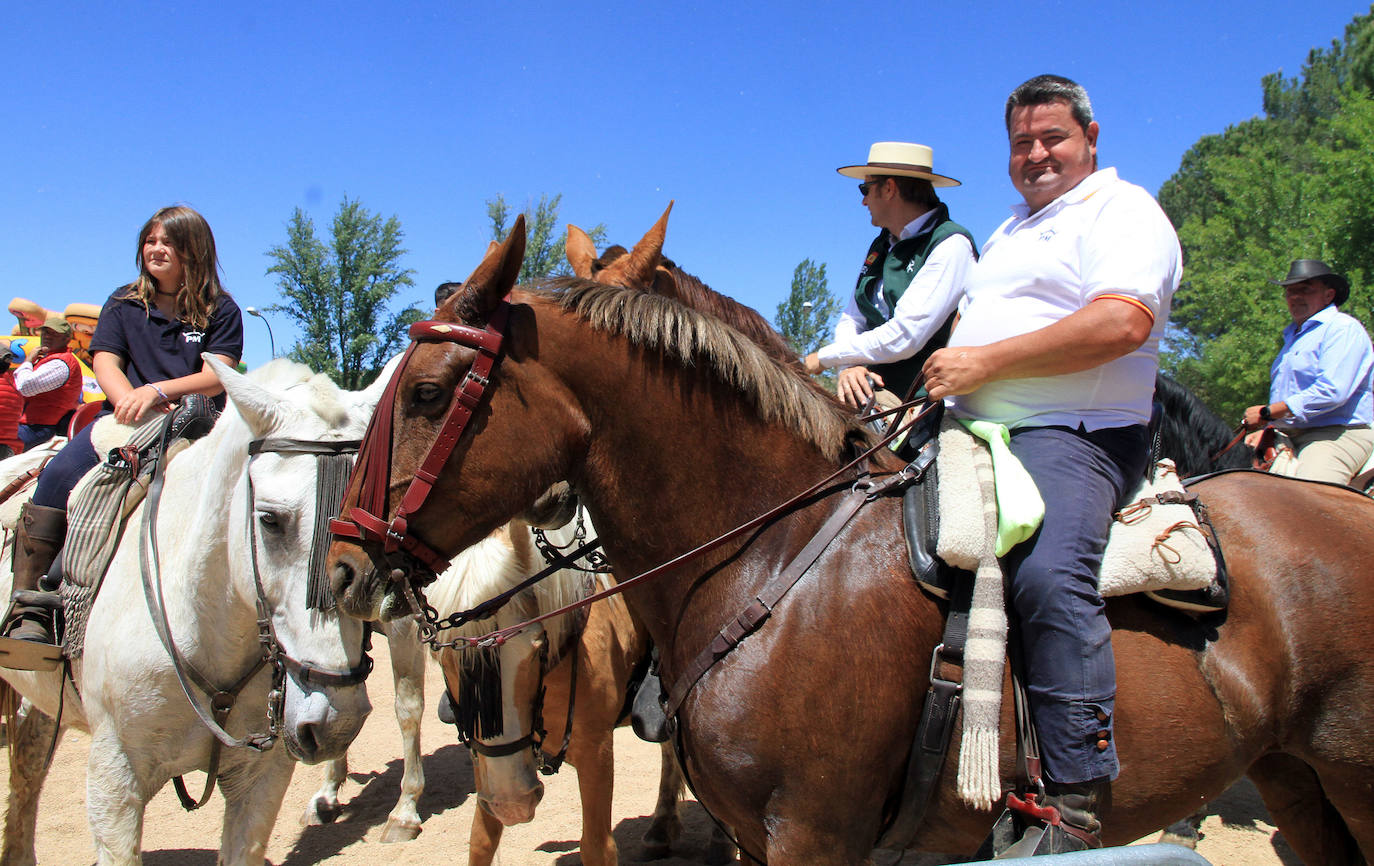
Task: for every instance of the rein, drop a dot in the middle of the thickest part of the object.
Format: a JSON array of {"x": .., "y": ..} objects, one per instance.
[
  {"x": 189, "y": 677},
  {"x": 1240, "y": 434}
]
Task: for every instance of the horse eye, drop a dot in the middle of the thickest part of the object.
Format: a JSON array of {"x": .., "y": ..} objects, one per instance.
[
  {"x": 270, "y": 520},
  {"x": 428, "y": 392}
]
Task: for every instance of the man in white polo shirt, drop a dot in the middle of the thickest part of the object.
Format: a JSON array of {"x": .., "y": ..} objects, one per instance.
[{"x": 1058, "y": 339}]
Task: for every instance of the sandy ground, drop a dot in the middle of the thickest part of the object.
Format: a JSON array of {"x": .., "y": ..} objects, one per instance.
[{"x": 1238, "y": 833}]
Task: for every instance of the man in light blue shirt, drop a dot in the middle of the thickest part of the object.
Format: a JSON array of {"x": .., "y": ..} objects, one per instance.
[{"x": 1321, "y": 395}]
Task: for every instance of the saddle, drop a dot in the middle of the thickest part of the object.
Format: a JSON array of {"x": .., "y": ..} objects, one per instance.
[{"x": 100, "y": 504}]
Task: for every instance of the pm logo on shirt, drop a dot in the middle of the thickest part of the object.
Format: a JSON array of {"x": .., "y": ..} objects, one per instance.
[{"x": 193, "y": 336}]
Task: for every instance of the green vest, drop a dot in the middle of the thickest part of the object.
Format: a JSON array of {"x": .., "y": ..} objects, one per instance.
[{"x": 898, "y": 267}]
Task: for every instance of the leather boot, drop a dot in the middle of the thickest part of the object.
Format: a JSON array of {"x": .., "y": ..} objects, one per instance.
[{"x": 42, "y": 530}]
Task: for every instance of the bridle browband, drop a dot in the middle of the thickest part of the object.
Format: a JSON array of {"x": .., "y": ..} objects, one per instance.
[{"x": 366, "y": 520}]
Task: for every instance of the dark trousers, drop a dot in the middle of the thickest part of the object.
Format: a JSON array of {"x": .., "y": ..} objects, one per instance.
[
  {"x": 1066, "y": 640},
  {"x": 66, "y": 467}
]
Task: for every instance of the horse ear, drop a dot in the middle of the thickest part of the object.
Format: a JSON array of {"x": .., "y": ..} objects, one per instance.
[
  {"x": 581, "y": 252},
  {"x": 368, "y": 398},
  {"x": 494, "y": 277},
  {"x": 639, "y": 270},
  {"x": 255, "y": 403}
]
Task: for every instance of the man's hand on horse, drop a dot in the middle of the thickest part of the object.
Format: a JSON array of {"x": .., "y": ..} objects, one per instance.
[{"x": 853, "y": 388}]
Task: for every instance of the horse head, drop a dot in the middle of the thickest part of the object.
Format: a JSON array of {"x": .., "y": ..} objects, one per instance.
[
  {"x": 304, "y": 436},
  {"x": 495, "y": 464}
]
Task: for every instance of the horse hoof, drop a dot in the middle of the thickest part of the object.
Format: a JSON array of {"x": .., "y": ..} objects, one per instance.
[
  {"x": 720, "y": 851},
  {"x": 657, "y": 850},
  {"x": 659, "y": 838},
  {"x": 1187, "y": 840},
  {"x": 321, "y": 812},
  {"x": 399, "y": 831}
]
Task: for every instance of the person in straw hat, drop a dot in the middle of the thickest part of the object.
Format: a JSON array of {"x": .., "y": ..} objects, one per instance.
[
  {"x": 1058, "y": 340},
  {"x": 911, "y": 280},
  {"x": 1320, "y": 397}
]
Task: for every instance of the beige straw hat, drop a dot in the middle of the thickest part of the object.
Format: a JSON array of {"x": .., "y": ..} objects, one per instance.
[{"x": 898, "y": 158}]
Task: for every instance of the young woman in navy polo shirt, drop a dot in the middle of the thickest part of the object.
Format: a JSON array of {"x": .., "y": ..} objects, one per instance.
[{"x": 146, "y": 355}]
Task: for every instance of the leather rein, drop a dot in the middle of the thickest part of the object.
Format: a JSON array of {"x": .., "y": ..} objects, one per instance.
[{"x": 192, "y": 679}]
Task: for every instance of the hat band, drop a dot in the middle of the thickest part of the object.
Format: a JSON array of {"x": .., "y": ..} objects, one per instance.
[{"x": 904, "y": 166}]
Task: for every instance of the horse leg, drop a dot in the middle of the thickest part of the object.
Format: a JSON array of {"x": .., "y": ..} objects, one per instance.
[
  {"x": 253, "y": 792},
  {"x": 666, "y": 826},
  {"x": 485, "y": 836},
  {"x": 31, "y": 739},
  {"x": 1346, "y": 787},
  {"x": 1310, "y": 824},
  {"x": 323, "y": 807},
  {"x": 115, "y": 798},
  {"x": 1186, "y": 831},
  {"x": 595, "y": 784},
  {"x": 408, "y": 673}
]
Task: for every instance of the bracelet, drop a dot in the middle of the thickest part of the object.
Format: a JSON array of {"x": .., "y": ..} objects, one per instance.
[{"x": 160, "y": 393}]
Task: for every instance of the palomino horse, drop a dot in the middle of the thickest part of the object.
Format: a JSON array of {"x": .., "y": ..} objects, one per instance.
[
  {"x": 513, "y": 702},
  {"x": 674, "y": 429},
  {"x": 233, "y": 534}
]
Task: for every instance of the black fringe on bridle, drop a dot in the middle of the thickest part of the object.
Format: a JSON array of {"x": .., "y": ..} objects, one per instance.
[
  {"x": 334, "y": 470},
  {"x": 477, "y": 705}
]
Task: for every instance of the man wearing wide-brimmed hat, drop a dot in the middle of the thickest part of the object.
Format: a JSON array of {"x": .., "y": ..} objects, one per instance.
[
  {"x": 911, "y": 280},
  {"x": 1320, "y": 396}
]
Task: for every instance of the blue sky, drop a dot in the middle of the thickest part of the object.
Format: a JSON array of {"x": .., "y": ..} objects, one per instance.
[{"x": 739, "y": 111}]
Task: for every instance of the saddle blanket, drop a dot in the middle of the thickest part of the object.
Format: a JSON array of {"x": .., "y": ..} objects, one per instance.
[{"x": 1155, "y": 542}]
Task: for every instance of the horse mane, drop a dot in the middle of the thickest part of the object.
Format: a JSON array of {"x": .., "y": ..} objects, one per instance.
[
  {"x": 1190, "y": 433},
  {"x": 674, "y": 282},
  {"x": 780, "y": 394}
]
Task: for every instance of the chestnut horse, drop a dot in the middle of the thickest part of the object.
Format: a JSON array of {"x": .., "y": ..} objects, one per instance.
[{"x": 674, "y": 428}]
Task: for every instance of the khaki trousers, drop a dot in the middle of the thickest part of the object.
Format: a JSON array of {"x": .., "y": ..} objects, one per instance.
[{"x": 1334, "y": 453}]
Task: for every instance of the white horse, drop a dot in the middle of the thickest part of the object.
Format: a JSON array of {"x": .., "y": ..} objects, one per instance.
[{"x": 213, "y": 537}]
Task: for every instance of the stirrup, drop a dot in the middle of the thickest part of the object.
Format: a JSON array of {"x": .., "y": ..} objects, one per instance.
[
  {"x": 1027, "y": 829},
  {"x": 17, "y": 654},
  {"x": 646, "y": 712}
]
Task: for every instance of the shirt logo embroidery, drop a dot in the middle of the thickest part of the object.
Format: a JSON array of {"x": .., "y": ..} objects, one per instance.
[
  {"x": 1047, "y": 235},
  {"x": 193, "y": 336}
]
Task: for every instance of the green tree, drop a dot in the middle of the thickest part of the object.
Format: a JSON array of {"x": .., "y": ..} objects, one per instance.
[
  {"x": 1291, "y": 184},
  {"x": 545, "y": 243},
  {"x": 338, "y": 295},
  {"x": 807, "y": 315}
]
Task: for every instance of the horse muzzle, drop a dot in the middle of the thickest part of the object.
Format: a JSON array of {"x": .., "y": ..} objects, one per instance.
[
  {"x": 514, "y": 810},
  {"x": 320, "y": 726}
]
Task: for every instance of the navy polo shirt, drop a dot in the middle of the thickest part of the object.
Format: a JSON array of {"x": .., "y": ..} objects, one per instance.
[{"x": 156, "y": 348}]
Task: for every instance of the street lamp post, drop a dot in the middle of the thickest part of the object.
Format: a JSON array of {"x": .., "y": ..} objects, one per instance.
[{"x": 271, "y": 341}]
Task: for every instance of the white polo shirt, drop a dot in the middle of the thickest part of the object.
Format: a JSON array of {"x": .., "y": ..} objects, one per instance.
[{"x": 1105, "y": 238}]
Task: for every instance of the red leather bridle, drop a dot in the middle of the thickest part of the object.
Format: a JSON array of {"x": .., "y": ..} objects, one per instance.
[{"x": 367, "y": 521}]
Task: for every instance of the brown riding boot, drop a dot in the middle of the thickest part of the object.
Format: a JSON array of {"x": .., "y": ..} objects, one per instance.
[{"x": 42, "y": 530}]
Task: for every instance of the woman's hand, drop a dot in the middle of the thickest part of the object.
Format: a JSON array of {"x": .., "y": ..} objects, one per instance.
[{"x": 135, "y": 404}]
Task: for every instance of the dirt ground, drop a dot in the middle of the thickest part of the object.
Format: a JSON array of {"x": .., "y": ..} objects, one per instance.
[{"x": 1237, "y": 833}]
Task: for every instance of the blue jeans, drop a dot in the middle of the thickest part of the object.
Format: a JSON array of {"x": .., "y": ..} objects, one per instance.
[
  {"x": 66, "y": 467},
  {"x": 1066, "y": 641}
]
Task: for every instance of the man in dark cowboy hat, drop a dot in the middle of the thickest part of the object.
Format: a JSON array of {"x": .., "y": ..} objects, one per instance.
[
  {"x": 911, "y": 280},
  {"x": 1319, "y": 385}
]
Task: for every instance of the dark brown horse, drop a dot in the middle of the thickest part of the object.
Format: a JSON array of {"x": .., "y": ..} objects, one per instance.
[{"x": 674, "y": 428}]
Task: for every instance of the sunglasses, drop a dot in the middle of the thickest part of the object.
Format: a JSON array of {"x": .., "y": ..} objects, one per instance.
[{"x": 870, "y": 184}]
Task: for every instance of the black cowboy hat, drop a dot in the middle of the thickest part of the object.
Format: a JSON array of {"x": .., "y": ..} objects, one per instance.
[{"x": 1303, "y": 270}]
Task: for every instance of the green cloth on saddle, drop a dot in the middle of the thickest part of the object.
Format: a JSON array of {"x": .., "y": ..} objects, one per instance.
[{"x": 1019, "y": 506}]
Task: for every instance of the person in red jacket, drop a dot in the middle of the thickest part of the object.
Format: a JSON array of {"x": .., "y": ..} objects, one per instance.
[
  {"x": 50, "y": 382},
  {"x": 11, "y": 408}
]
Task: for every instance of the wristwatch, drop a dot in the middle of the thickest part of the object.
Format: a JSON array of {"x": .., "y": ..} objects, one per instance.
[{"x": 1265, "y": 414}]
